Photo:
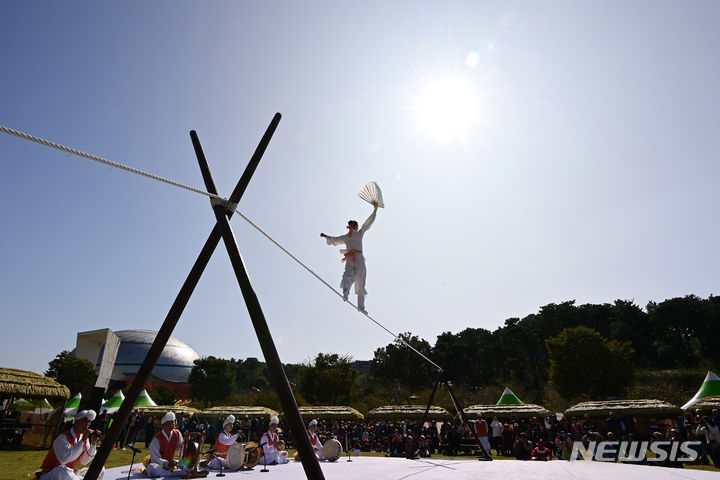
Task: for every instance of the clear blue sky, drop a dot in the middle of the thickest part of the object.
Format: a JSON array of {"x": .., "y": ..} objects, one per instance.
[{"x": 574, "y": 155}]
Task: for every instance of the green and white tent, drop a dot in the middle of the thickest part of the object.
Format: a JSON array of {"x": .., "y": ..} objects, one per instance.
[
  {"x": 21, "y": 403},
  {"x": 509, "y": 398},
  {"x": 709, "y": 387},
  {"x": 72, "y": 405},
  {"x": 43, "y": 407},
  {"x": 144, "y": 400},
  {"x": 113, "y": 403}
]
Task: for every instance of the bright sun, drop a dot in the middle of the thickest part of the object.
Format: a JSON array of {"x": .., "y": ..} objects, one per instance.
[{"x": 446, "y": 109}]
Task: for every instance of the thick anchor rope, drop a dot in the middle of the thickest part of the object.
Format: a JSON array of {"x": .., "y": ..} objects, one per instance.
[{"x": 216, "y": 199}]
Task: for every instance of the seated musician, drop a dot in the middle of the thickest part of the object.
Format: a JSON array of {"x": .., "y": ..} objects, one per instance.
[
  {"x": 271, "y": 454},
  {"x": 315, "y": 439},
  {"x": 75, "y": 446},
  {"x": 165, "y": 445},
  {"x": 223, "y": 443}
]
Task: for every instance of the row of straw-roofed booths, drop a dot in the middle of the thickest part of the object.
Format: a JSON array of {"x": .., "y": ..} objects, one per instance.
[{"x": 40, "y": 417}]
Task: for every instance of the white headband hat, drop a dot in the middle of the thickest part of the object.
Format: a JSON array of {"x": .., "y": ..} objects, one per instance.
[
  {"x": 89, "y": 414},
  {"x": 229, "y": 420},
  {"x": 274, "y": 420},
  {"x": 168, "y": 417},
  {"x": 313, "y": 422}
]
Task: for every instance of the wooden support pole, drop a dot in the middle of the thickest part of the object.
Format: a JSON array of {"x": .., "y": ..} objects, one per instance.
[
  {"x": 175, "y": 312},
  {"x": 272, "y": 359}
]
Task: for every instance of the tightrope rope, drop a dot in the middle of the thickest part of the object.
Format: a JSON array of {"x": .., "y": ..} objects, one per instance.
[
  {"x": 217, "y": 198},
  {"x": 104, "y": 161}
]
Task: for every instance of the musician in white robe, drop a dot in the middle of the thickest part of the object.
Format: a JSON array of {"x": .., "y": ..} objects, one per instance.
[
  {"x": 355, "y": 270},
  {"x": 269, "y": 441},
  {"x": 72, "y": 448},
  {"x": 315, "y": 439},
  {"x": 164, "y": 447},
  {"x": 223, "y": 443}
]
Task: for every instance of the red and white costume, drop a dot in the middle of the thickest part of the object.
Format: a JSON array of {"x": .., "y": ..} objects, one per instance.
[
  {"x": 163, "y": 449},
  {"x": 541, "y": 452},
  {"x": 268, "y": 442},
  {"x": 223, "y": 444},
  {"x": 355, "y": 270},
  {"x": 315, "y": 442},
  {"x": 481, "y": 428},
  {"x": 67, "y": 451}
]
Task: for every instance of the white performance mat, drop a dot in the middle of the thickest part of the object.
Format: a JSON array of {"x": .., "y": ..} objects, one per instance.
[{"x": 381, "y": 468}]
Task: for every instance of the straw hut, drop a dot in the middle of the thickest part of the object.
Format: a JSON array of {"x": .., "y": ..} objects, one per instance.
[
  {"x": 332, "y": 412},
  {"x": 646, "y": 415},
  {"x": 505, "y": 412},
  {"x": 31, "y": 386},
  {"x": 162, "y": 409},
  {"x": 239, "y": 411},
  {"x": 707, "y": 404},
  {"x": 25, "y": 384},
  {"x": 409, "y": 412}
]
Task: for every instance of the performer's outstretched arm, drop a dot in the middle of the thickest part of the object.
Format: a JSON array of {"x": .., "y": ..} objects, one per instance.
[
  {"x": 333, "y": 240},
  {"x": 371, "y": 219}
]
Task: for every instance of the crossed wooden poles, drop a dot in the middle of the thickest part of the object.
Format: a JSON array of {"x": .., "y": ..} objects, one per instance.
[
  {"x": 223, "y": 230},
  {"x": 442, "y": 380}
]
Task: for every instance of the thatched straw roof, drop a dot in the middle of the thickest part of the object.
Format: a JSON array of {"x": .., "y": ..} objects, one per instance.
[
  {"x": 161, "y": 409},
  {"x": 22, "y": 383},
  {"x": 410, "y": 412},
  {"x": 239, "y": 411},
  {"x": 331, "y": 412},
  {"x": 525, "y": 410},
  {"x": 628, "y": 407},
  {"x": 706, "y": 404}
]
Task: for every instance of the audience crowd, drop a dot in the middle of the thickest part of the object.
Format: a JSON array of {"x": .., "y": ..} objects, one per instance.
[{"x": 534, "y": 438}]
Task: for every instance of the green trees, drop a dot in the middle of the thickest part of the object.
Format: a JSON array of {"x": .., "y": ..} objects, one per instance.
[
  {"x": 211, "y": 380},
  {"x": 396, "y": 363},
  {"x": 583, "y": 363},
  {"x": 327, "y": 380},
  {"x": 75, "y": 373}
]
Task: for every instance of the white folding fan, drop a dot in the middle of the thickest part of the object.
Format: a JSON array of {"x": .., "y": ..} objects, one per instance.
[{"x": 371, "y": 193}]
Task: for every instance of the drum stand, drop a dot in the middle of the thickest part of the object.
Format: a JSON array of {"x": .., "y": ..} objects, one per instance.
[
  {"x": 134, "y": 450},
  {"x": 212, "y": 452},
  {"x": 264, "y": 469}
]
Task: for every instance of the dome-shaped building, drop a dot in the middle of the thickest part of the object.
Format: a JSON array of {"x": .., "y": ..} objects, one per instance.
[
  {"x": 173, "y": 366},
  {"x": 117, "y": 356}
]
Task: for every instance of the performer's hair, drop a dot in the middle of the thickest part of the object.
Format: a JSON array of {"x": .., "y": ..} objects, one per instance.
[{"x": 352, "y": 223}]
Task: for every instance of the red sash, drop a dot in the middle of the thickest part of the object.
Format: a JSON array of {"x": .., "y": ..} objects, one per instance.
[
  {"x": 314, "y": 439},
  {"x": 51, "y": 460},
  {"x": 272, "y": 440}
]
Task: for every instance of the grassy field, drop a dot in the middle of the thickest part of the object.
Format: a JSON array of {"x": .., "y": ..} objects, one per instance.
[{"x": 21, "y": 464}]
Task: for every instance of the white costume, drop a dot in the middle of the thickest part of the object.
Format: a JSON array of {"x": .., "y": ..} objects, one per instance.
[
  {"x": 67, "y": 450},
  {"x": 222, "y": 445},
  {"x": 315, "y": 442},
  {"x": 160, "y": 448},
  {"x": 270, "y": 453},
  {"x": 355, "y": 271}
]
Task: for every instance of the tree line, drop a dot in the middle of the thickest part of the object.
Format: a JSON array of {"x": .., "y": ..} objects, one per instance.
[{"x": 561, "y": 354}]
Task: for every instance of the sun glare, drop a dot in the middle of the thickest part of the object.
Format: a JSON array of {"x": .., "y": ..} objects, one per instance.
[{"x": 446, "y": 109}]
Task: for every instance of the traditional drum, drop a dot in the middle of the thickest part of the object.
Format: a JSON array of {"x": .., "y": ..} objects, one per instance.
[
  {"x": 332, "y": 449},
  {"x": 243, "y": 456},
  {"x": 252, "y": 454},
  {"x": 236, "y": 456}
]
